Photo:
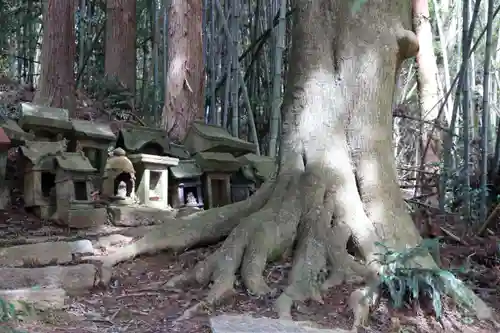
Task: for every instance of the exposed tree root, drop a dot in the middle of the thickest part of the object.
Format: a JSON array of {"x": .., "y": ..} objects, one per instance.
[
  {"x": 204, "y": 227},
  {"x": 259, "y": 238}
]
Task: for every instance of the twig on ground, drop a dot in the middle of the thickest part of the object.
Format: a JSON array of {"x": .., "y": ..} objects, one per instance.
[
  {"x": 453, "y": 236},
  {"x": 138, "y": 295}
]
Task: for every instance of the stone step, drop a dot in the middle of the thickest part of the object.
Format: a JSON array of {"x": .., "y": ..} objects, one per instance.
[
  {"x": 73, "y": 279},
  {"x": 43, "y": 254},
  {"x": 248, "y": 324}
]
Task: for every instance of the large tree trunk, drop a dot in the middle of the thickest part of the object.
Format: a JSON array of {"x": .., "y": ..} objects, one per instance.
[
  {"x": 336, "y": 116},
  {"x": 184, "y": 95},
  {"x": 120, "y": 61},
  {"x": 57, "y": 80},
  {"x": 429, "y": 97}
]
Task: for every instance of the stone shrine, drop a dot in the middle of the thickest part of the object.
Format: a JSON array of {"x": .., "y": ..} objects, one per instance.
[{"x": 152, "y": 176}]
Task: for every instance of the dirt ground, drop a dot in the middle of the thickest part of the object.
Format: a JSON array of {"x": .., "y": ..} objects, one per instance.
[{"x": 137, "y": 301}]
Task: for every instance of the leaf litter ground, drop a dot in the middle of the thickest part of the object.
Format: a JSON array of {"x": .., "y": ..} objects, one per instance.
[{"x": 137, "y": 301}]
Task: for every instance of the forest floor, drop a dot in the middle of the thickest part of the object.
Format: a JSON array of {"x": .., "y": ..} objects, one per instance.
[{"x": 137, "y": 301}]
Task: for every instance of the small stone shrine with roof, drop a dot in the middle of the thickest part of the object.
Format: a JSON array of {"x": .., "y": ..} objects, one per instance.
[
  {"x": 185, "y": 183},
  {"x": 217, "y": 169},
  {"x": 210, "y": 138},
  {"x": 15, "y": 133},
  {"x": 36, "y": 160},
  {"x": 45, "y": 123},
  {"x": 17, "y": 137},
  {"x": 94, "y": 139},
  {"x": 5, "y": 145},
  {"x": 142, "y": 140},
  {"x": 75, "y": 205},
  {"x": 152, "y": 177}
]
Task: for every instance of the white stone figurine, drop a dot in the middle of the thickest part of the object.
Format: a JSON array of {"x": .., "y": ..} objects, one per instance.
[
  {"x": 191, "y": 200},
  {"x": 122, "y": 190}
]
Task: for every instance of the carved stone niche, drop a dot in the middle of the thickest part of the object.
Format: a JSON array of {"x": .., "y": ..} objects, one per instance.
[
  {"x": 118, "y": 185},
  {"x": 217, "y": 169},
  {"x": 185, "y": 185},
  {"x": 152, "y": 175},
  {"x": 75, "y": 206},
  {"x": 45, "y": 123},
  {"x": 36, "y": 159}
]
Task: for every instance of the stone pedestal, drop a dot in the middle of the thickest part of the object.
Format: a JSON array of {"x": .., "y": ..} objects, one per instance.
[{"x": 152, "y": 173}]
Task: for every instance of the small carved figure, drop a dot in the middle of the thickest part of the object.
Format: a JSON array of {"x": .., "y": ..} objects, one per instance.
[
  {"x": 122, "y": 190},
  {"x": 191, "y": 200}
]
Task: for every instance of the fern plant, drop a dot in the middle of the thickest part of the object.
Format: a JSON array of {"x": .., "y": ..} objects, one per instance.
[{"x": 407, "y": 283}]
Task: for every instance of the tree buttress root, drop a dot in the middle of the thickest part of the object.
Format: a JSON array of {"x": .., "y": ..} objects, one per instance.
[{"x": 299, "y": 212}]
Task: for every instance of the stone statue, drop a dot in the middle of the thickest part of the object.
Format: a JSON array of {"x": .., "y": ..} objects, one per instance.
[
  {"x": 191, "y": 200},
  {"x": 122, "y": 190}
]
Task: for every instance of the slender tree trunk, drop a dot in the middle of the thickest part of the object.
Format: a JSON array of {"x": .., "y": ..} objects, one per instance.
[
  {"x": 120, "y": 61},
  {"x": 428, "y": 91},
  {"x": 184, "y": 95},
  {"x": 57, "y": 79}
]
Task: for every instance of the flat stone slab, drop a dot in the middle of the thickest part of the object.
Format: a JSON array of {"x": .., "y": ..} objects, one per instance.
[
  {"x": 132, "y": 216},
  {"x": 248, "y": 324},
  {"x": 92, "y": 233},
  {"x": 42, "y": 254},
  {"x": 70, "y": 278}
]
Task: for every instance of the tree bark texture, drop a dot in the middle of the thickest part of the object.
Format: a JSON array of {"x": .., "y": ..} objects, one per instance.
[
  {"x": 120, "y": 56},
  {"x": 185, "y": 95},
  {"x": 57, "y": 79},
  {"x": 335, "y": 161},
  {"x": 429, "y": 96}
]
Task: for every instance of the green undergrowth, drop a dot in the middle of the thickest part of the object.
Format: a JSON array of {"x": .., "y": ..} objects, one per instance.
[
  {"x": 406, "y": 283},
  {"x": 12, "y": 312}
]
